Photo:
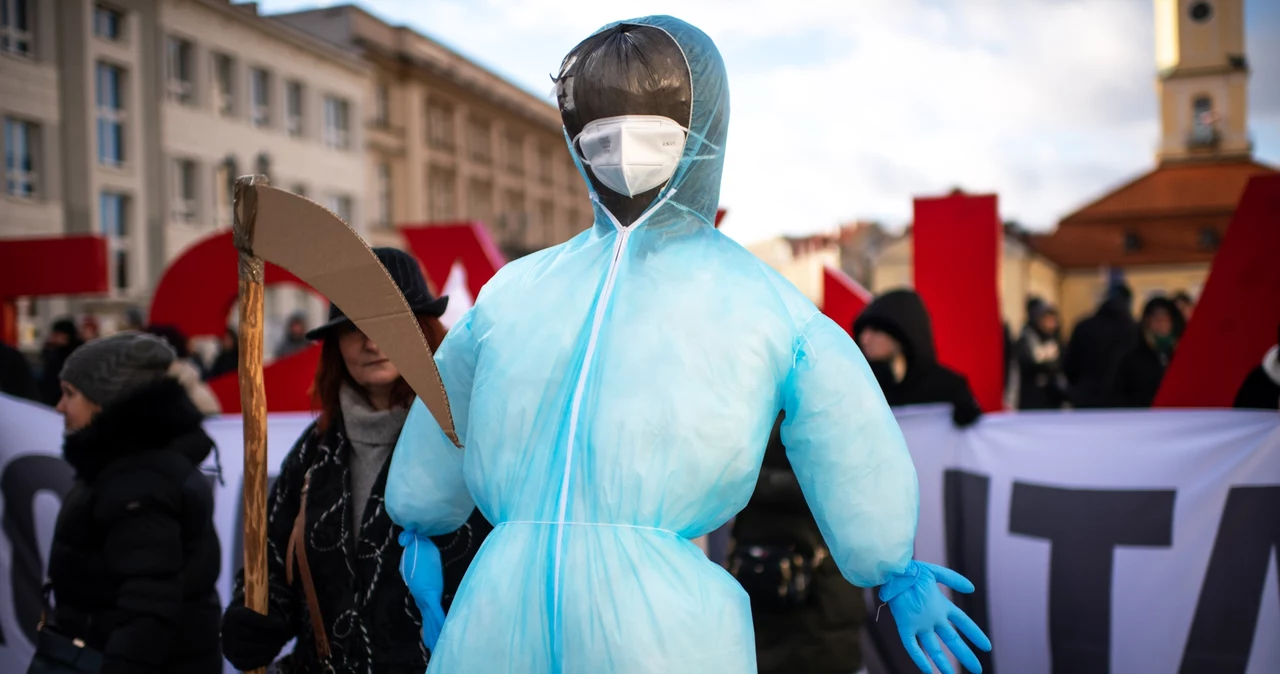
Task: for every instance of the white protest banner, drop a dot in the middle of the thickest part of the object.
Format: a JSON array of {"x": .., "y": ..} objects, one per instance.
[{"x": 1140, "y": 541}]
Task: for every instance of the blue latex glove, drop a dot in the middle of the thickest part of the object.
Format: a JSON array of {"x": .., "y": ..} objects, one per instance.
[
  {"x": 921, "y": 611},
  {"x": 424, "y": 574}
]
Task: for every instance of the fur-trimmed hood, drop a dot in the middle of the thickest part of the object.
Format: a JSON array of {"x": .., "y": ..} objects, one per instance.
[{"x": 157, "y": 416}]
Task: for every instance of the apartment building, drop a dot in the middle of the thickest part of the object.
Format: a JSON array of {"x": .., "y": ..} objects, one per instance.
[
  {"x": 448, "y": 140},
  {"x": 132, "y": 118}
]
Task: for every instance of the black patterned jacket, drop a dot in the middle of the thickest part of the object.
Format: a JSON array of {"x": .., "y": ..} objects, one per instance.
[{"x": 372, "y": 622}]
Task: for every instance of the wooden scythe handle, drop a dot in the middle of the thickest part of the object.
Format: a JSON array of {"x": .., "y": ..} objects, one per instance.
[{"x": 253, "y": 398}]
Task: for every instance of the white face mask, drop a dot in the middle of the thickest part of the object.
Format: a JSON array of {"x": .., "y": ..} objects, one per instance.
[{"x": 632, "y": 154}]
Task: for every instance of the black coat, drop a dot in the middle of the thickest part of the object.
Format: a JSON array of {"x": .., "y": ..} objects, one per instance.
[
  {"x": 15, "y": 375},
  {"x": 1096, "y": 347},
  {"x": 1039, "y": 371},
  {"x": 135, "y": 556},
  {"x": 823, "y": 636},
  {"x": 372, "y": 622},
  {"x": 1138, "y": 376},
  {"x": 51, "y": 361},
  {"x": 1261, "y": 389},
  {"x": 902, "y": 314}
]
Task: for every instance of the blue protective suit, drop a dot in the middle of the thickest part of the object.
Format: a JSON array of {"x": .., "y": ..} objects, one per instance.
[{"x": 614, "y": 396}]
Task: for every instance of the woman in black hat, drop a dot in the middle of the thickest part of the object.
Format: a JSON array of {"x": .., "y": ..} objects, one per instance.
[{"x": 370, "y": 622}]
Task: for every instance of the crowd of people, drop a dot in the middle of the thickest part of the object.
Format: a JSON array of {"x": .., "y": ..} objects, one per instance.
[
  {"x": 109, "y": 388},
  {"x": 133, "y": 403}
]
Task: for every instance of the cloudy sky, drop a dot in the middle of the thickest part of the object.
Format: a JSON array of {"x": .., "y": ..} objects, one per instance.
[{"x": 845, "y": 109}]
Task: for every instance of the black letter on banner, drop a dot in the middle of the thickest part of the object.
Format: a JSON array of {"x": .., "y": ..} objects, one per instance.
[
  {"x": 966, "y": 497},
  {"x": 1231, "y": 597},
  {"x": 23, "y": 478},
  {"x": 1085, "y": 525},
  {"x": 237, "y": 562}
]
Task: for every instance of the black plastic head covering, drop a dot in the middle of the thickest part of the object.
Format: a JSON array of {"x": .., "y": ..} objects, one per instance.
[{"x": 655, "y": 65}]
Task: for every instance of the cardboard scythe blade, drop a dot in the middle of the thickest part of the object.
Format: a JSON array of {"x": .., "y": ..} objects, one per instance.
[{"x": 322, "y": 250}]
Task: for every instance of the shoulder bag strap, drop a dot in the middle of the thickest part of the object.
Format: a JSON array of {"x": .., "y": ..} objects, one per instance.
[{"x": 298, "y": 548}]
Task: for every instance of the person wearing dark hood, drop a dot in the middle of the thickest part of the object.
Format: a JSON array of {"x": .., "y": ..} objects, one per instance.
[
  {"x": 1261, "y": 389},
  {"x": 135, "y": 557},
  {"x": 1041, "y": 385},
  {"x": 295, "y": 336},
  {"x": 807, "y": 618},
  {"x": 228, "y": 358},
  {"x": 896, "y": 337},
  {"x": 328, "y": 503},
  {"x": 1140, "y": 371},
  {"x": 63, "y": 339},
  {"x": 15, "y": 375},
  {"x": 1096, "y": 346}
]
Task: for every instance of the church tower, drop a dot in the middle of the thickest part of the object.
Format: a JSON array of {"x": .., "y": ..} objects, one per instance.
[{"x": 1203, "y": 80}]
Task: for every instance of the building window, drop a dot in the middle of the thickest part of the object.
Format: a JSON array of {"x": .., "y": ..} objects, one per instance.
[
  {"x": 514, "y": 219},
  {"x": 224, "y": 180},
  {"x": 340, "y": 204},
  {"x": 1208, "y": 239},
  {"x": 547, "y": 226},
  {"x": 573, "y": 179},
  {"x": 441, "y": 186},
  {"x": 114, "y": 219},
  {"x": 481, "y": 140},
  {"x": 382, "y": 218},
  {"x": 544, "y": 165},
  {"x": 1201, "y": 12},
  {"x": 111, "y": 115},
  {"x": 260, "y": 97},
  {"x": 440, "y": 132},
  {"x": 514, "y": 152},
  {"x": 15, "y": 27},
  {"x": 337, "y": 123},
  {"x": 108, "y": 23},
  {"x": 381, "y": 106},
  {"x": 180, "y": 82},
  {"x": 1204, "y": 122},
  {"x": 293, "y": 108},
  {"x": 480, "y": 201},
  {"x": 184, "y": 190},
  {"x": 20, "y": 150},
  {"x": 224, "y": 85}
]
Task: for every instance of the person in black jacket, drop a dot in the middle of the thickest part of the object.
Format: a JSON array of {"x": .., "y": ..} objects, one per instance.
[
  {"x": 1096, "y": 346},
  {"x": 1041, "y": 385},
  {"x": 15, "y": 375},
  {"x": 822, "y": 633},
  {"x": 63, "y": 339},
  {"x": 135, "y": 557},
  {"x": 228, "y": 358},
  {"x": 370, "y": 620},
  {"x": 1140, "y": 371},
  {"x": 895, "y": 336},
  {"x": 1261, "y": 389}
]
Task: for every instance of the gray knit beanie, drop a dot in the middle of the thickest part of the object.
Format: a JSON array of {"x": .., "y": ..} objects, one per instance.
[{"x": 108, "y": 369}]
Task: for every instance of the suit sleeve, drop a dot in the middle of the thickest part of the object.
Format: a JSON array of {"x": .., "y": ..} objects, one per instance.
[
  {"x": 426, "y": 491},
  {"x": 282, "y": 510},
  {"x": 142, "y": 533},
  {"x": 849, "y": 456}
]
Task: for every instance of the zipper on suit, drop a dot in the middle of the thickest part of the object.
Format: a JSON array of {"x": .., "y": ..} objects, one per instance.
[{"x": 624, "y": 233}]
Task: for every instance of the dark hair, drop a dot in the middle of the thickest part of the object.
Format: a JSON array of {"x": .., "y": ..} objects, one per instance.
[
  {"x": 66, "y": 326},
  {"x": 1182, "y": 296},
  {"x": 1166, "y": 305},
  {"x": 331, "y": 374},
  {"x": 175, "y": 337}
]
